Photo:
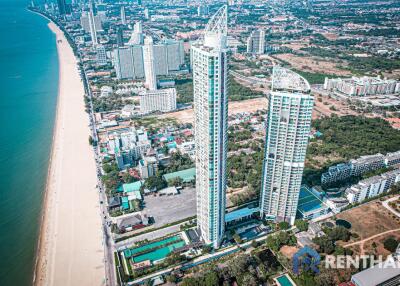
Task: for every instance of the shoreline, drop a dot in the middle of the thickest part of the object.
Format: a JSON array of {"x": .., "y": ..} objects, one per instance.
[{"x": 57, "y": 245}]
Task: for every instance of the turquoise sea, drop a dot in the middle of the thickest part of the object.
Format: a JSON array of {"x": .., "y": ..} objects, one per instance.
[{"x": 28, "y": 97}]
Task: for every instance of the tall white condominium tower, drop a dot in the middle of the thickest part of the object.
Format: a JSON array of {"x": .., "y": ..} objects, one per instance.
[
  {"x": 92, "y": 26},
  {"x": 148, "y": 60},
  {"x": 210, "y": 73},
  {"x": 137, "y": 34},
  {"x": 256, "y": 42},
  {"x": 123, "y": 15},
  {"x": 287, "y": 131}
]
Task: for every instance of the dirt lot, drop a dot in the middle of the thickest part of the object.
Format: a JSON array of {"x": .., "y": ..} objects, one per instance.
[
  {"x": 375, "y": 246},
  {"x": 323, "y": 108},
  {"x": 370, "y": 219},
  {"x": 288, "y": 251},
  {"x": 234, "y": 107},
  {"x": 313, "y": 64}
]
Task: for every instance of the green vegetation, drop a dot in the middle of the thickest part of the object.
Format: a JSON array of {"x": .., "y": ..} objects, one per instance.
[
  {"x": 109, "y": 103},
  {"x": 283, "y": 225},
  {"x": 236, "y": 91},
  {"x": 178, "y": 162},
  {"x": 327, "y": 243},
  {"x": 184, "y": 90},
  {"x": 245, "y": 170},
  {"x": 390, "y": 244},
  {"x": 313, "y": 78},
  {"x": 244, "y": 269},
  {"x": 111, "y": 177},
  {"x": 301, "y": 225},
  {"x": 350, "y": 137},
  {"x": 276, "y": 241}
]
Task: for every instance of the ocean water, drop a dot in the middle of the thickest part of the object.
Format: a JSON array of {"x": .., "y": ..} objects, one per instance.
[{"x": 28, "y": 97}]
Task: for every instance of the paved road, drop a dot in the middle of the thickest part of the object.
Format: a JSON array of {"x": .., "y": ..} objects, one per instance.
[{"x": 108, "y": 242}]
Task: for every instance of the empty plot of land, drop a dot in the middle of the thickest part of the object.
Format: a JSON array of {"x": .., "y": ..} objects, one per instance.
[
  {"x": 324, "y": 107},
  {"x": 234, "y": 107},
  {"x": 168, "y": 209},
  {"x": 313, "y": 64},
  {"x": 370, "y": 219}
]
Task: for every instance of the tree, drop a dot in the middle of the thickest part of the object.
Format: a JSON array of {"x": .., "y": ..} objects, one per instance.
[
  {"x": 254, "y": 244},
  {"x": 211, "y": 278},
  {"x": 172, "y": 278},
  {"x": 178, "y": 181},
  {"x": 390, "y": 244},
  {"x": 301, "y": 225},
  {"x": 325, "y": 278},
  {"x": 284, "y": 225},
  {"x": 206, "y": 249},
  {"x": 90, "y": 140},
  {"x": 155, "y": 182},
  {"x": 249, "y": 280}
]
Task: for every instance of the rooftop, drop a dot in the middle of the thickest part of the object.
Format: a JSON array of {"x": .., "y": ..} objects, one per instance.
[
  {"x": 186, "y": 175},
  {"x": 285, "y": 79}
]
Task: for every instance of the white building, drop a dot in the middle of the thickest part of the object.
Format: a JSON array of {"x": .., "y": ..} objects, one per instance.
[
  {"x": 128, "y": 111},
  {"x": 123, "y": 15},
  {"x": 202, "y": 10},
  {"x": 127, "y": 145},
  {"x": 163, "y": 100},
  {"x": 287, "y": 132},
  {"x": 149, "y": 68},
  {"x": 137, "y": 37},
  {"x": 210, "y": 77},
  {"x": 106, "y": 91},
  {"x": 372, "y": 187},
  {"x": 337, "y": 204},
  {"x": 92, "y": 27},
  {"x": 101, "y": 55},
  {"x": 392, "y": 159},
  {"x": 129, "y": 63},
  {"x": 256, "y": 42},
  {"x": 336, "y": 173},
  {"x": 148, "y": 167},
  {"x": 85, "y": 22},
  {"x": 362, "y": 86},
  {"x": 366, "y": 164}
]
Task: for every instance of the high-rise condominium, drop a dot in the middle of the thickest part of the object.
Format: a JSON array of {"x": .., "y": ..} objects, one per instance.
[
  {"x": 123, "y": 15},
  {"x": 148, "y": 60},
  {"x": 92, "y": 26},
  {"x": 256, "y": 42},
  {"x": 287, "y": 132},
  {"x": 210, "y": 76}
]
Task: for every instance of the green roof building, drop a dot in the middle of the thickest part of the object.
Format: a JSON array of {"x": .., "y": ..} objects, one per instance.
[{"x": 187, "y": 175}]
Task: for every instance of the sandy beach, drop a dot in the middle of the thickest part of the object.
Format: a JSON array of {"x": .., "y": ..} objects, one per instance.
[{"x": 70, "y": 246}]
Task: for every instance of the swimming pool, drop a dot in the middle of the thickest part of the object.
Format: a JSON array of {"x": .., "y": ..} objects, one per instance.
[
  {"x": 284, "y": 280},
  {"x": 132, "y": 251},
  {"x": 159, "y": 253}
]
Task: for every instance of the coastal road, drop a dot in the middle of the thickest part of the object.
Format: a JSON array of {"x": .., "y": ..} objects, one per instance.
[{"x": 108, "y": 242}]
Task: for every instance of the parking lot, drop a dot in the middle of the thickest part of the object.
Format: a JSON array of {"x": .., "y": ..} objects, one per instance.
[{"x": 168, "y": 209}]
